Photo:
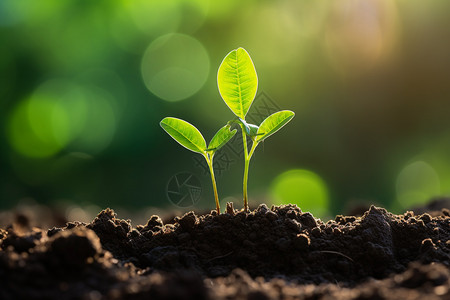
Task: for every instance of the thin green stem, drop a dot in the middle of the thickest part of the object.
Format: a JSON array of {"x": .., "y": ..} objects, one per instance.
[
  {"x": 247, "y": 157},
  {"x": 209, "y": 161},
  {"x": 252, "y": 150},
  {"x": 246, "y": 167},
  {"x": 246, "y": 162}
]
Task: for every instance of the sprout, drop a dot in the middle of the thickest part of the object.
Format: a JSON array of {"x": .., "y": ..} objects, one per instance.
[
  {"x": 238, "y": 83},
  {"x": 188, "y": 136}
]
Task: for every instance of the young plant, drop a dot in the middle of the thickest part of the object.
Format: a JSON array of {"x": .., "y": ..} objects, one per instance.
[
  {"x": 188, "y": 136},
  {"x": 238, "y": 83}
]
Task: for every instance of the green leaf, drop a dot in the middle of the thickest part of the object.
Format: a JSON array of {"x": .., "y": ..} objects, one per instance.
[
  {"x": 245, "y": 125},
  {"x": 237, "y": 81},
  {"x": 253, "y": 130},
  {"x": 273, "y": 123},
  {"x": 250, "y": 129},
  {"x": 221, "y": 138},
  {"x": 185, "y": 134}
]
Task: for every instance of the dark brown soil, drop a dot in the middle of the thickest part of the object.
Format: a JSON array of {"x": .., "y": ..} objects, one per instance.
[{"x": 278, "y": 253}]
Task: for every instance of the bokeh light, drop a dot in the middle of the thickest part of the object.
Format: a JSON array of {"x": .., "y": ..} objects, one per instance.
[
  {"x": 360, "y": 34},
  {"x": 155, "y": 17},
  {"x": 99, "y": 125},
  {"x": 38, "y": 127},
  {"x": 303, "y": 188},
  {"x": 61, "y": 114},
  {"x": 175, "y": 66},
  {"x": 297, "y": 20},
  {"x": 416, "y": 184}
]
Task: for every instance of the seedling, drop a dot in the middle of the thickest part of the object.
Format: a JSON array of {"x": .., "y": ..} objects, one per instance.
[
  {"x": 238, "y": 83},
  {"x": 188, "y": 136}
]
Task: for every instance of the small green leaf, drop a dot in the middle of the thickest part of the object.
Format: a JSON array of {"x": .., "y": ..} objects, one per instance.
[
  {"x": 245, "y": 126},
  {"x": 185, "y": 134},
  {"x": 253, "y": 130},
  {"x": 221, "y": 138},
  {"x": 250, "y": 129},
  {"x": 273, "y": 123},
  {"x": 237, "y": 81}
]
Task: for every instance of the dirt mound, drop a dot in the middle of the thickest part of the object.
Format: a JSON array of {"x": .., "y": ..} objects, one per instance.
[{"x": 265, "y": 254}]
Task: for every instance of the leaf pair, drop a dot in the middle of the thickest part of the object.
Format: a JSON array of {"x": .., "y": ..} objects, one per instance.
[{"x": 188, "y": 136}]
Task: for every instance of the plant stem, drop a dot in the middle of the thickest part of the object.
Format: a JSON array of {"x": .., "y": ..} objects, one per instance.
[
  {"x": 252, "y": 150},
  {"x": 246, "y": 163},
  {"x": 247, "y": 157},
  {"x": 209, "y": 161}
]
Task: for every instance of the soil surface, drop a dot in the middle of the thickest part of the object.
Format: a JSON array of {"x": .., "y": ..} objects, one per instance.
[{"x": 269, "y": 253}]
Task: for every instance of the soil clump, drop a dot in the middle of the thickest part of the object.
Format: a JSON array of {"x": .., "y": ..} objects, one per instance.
[{"x": 269, "y": 253}]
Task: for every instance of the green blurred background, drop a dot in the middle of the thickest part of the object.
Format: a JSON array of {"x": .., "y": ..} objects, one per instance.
[{"x": 84, "y": 85}]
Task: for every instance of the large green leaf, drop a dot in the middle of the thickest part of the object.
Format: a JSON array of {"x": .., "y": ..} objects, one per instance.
[
  {"x": 237, "y": 81},
  {"x": 273, "y": 123},
  {"x": 184, "y": 133},
  {"x": 221, "y": 138}
]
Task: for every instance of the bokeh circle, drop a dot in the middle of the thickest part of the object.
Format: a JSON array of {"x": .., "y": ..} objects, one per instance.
[{"x": 175, "y": 66}]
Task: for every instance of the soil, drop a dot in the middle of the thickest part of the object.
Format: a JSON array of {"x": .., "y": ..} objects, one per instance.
[{"x": 269, "y": 253}]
